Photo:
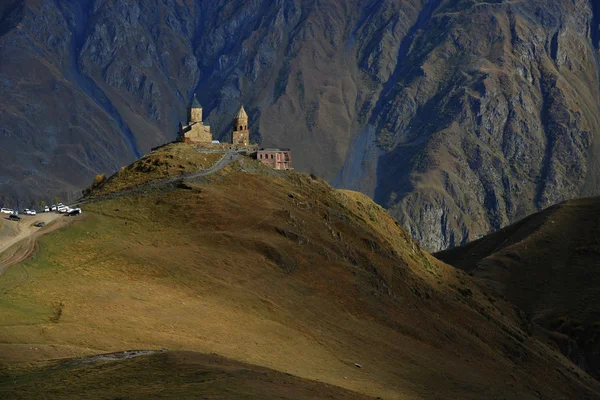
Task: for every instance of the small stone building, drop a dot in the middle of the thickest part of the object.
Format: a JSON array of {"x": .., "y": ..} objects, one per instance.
[
  {"x": 195, "y": 132},
  {"x": 275, "y": 158},
  {"x": 240, "y": 135}
]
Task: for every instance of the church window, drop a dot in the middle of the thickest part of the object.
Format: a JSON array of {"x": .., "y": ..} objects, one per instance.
[{"x": 271, "y": 156}]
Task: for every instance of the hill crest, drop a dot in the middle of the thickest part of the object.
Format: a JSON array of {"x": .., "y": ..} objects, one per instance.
[{"x": 278, "y": 270}]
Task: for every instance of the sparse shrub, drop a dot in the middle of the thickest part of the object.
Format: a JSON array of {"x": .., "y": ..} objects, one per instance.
[
  {"x": 58, "y": 312},
  {"x": 98, "y": 181},
  {"x": 183, "y": 185}
]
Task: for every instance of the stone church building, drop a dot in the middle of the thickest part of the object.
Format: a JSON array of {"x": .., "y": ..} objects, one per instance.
[
  {"x": 195, "y": 132},
  {"x": 241, "y": 134}
]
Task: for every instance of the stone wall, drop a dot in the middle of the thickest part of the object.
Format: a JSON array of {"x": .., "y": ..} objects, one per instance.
[
  {"x": 198, "y": 133},
  {"x": 241, "y": 138},
  {"x": 194, "y": 115}
]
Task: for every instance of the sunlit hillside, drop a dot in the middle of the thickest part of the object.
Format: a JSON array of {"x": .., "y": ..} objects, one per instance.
[{"x": 274, "y": 269}]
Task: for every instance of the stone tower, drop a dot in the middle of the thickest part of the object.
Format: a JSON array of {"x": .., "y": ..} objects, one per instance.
[
  {"x": 241, "y": 134},
  {"x": 194, "y": 131},
  {"x": 194, "y": 111}
]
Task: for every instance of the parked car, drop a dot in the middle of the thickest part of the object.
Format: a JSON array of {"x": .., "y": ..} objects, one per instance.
[
  {"x": 6, "y": 211},
  {"x": 46, "y": 209},
  {"x": 14, "y": 217},
  {"x": 53, "y": 208},
  {"x": 73, "y": 213},
  {"x": 40, "y": 224},
  {"x": 30, "y": 212}
]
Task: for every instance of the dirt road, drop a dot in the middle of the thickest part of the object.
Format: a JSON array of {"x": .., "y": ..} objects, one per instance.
[{"x": 24, "y": 231}]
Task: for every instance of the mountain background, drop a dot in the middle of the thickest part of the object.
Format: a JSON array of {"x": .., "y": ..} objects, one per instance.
[{"x": 458, "y": 116}]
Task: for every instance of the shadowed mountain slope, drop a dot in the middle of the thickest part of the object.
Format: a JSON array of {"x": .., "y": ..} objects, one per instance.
[
  {"x": 547, "y": 265},
  {"x": 275, "y": 269},
  {"x": 172, "y": 375}
]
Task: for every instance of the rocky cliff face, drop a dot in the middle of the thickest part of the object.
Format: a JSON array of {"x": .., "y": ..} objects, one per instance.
[
  {"x": 459, "y": 116},
  {"x": 492, "y": 117}
]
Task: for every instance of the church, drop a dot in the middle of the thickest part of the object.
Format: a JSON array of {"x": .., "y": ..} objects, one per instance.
[{"x": 196, "y": 132}]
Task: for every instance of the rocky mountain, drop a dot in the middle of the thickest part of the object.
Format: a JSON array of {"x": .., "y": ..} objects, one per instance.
[{"x": 459, "y": 116}]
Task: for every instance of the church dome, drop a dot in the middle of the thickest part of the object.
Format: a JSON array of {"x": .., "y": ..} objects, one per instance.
[
  {"x": 195, "y": 103},
  {"x": 241, "y": 114}
]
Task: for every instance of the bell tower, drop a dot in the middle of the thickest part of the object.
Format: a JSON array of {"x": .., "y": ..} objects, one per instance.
[
  {"x": 194, "y": 111},
  {"x": 241, "y": 134}
]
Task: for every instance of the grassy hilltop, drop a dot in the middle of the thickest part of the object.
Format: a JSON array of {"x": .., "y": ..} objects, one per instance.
[{"x": 273, "y": 269}]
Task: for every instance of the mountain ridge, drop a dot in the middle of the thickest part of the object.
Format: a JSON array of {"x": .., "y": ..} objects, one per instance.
[
  {"x": 545, "y": 265},
  {"x": 456, "y": 136}
]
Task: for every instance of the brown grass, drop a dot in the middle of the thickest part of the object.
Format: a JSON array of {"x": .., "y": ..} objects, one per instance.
[
  {"x": 542, "y": 262},
  {"x": 545, "y": 264},
  {"x": 282, "y": 272},
  {"x": 171, "y": 160},
  {"x": 174, "y": 375}
]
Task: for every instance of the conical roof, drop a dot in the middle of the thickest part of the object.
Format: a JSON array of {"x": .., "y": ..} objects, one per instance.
[
  {"x": 241, "y": 113},
  {"x": 195, "y": 103}
]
